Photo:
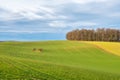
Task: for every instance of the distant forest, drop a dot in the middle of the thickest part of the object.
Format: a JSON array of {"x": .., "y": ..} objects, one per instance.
[{"x": 100, "y": 34}]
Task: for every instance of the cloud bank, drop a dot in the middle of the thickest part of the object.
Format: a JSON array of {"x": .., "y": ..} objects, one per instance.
[{"x": 57, "y": 16}]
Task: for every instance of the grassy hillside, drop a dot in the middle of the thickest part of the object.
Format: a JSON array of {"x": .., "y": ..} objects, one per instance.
[
  {"x": 60, "y": 60},
  {"x": 112, "y": 47}
]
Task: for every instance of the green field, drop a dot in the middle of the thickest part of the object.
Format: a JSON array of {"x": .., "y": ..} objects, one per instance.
[{"x": 59, "y": 60}]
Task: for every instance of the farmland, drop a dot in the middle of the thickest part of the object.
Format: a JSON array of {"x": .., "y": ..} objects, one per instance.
[
  {"x": 60, "y": 60},
  {"x": 112, "y": 47}
]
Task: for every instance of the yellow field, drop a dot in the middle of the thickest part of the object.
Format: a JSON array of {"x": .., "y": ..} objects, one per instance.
[{"x": 112, "y": 47}]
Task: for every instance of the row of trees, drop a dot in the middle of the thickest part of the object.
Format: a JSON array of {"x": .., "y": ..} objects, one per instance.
[{"x": 99, "y": 34}]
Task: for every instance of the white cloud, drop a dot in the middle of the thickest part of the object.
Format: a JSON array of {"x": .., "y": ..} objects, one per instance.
[
  {"x": 114, "y": 15},
  {"x": 30, "y": 15},
  {"x": 39, "y": 13},
  {"x": 27, "y": 9},
  {"x": 21, "y": 5},
  {"x": 88, "y": 1},
  {"x": 54, "y": 14},
  {"x": 27, "y": 31},
  {"x": 43, "y": 9},
  {"x": 57, "y": 24},
  {"x": 62, "y": 24}
]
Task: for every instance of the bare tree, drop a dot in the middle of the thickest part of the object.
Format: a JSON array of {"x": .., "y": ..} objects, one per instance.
[{"x": 100, "y": 34}]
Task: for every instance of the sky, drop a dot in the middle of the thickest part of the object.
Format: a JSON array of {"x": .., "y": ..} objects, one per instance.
[{"x": 32, "y": 20}]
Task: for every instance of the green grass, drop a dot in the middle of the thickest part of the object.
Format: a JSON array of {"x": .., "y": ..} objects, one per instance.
[{"x": 60, "y": 60}]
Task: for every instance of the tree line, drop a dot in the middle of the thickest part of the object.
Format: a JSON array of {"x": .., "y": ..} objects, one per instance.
[{"x": 100, "y": 34}]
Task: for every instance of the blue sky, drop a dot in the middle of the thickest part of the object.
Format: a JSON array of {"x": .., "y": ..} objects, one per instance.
[{"x": 51, "y": 19}]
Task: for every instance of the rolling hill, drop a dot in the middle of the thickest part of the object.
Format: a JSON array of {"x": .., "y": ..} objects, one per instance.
[
  {"x": 59, "y": 60},
  {"x": 112, "y": 47}
]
